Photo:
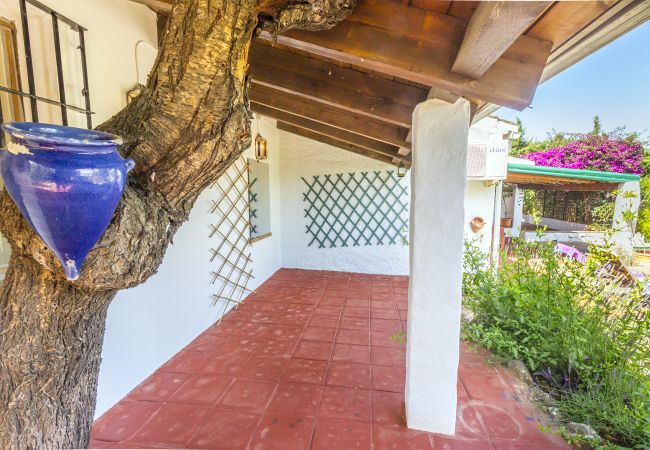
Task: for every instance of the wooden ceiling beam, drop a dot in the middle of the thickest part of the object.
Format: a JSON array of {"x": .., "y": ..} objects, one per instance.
[
  {"x": 342, "y": 87},
  {"x": 330, "y": 115},
  {"x": 421, "y": 46},
  {"x": 309, "y": 134},
  {"x": 320, "y": 128},
  {"x": 493, "y": 28}
]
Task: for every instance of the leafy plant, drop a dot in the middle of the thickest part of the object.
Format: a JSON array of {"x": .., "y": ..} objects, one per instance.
[{"x": 584, "y": 337}]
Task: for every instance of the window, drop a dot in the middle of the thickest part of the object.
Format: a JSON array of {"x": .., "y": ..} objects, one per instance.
[
  {"x": 259, "y": 199},
  {"x": 11, "y": 105}
]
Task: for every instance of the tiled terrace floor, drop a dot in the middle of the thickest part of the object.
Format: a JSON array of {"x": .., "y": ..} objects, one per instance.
[{"x": 307, "y": 363}]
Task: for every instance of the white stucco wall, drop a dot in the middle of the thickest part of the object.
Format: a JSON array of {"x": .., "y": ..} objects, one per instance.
[
  {"x": 114, "y": 29},
  {"x": 479, "y": 202},
  {"x": 302, "y": 157},
  {"x": 148, "y": 324}
]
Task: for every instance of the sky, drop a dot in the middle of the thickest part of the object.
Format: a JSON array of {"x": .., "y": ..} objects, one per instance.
[{"x": 613, "y": 83}]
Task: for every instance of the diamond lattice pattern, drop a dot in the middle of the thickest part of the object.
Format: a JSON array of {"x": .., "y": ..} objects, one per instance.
[{"x": 354, "y": 209}]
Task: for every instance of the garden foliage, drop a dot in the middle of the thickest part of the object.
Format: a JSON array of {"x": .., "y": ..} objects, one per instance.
[
  {"x": 614, "y": 151},
  {"x": 585, "y": 338}
]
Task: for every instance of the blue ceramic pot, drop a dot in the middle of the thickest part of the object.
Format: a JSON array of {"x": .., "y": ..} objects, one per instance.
[{"x": 67, "y": 183}]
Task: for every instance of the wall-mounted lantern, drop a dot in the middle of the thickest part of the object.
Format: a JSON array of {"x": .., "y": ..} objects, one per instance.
[
  {"x": 260, "y": 148},
  {"x": 401, "y": 169}
]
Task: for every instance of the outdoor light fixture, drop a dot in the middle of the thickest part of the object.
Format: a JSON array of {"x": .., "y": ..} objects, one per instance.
[
  {"x": 260, "y": 147},
  {"x": 401, "y": 169}
]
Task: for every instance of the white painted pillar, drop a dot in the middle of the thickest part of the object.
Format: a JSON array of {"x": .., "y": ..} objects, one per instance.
[
  {"x": 439, "y": 151},
  {"x": 496, "y": 224},
  {"x": 627, "y": 204},
  {"x": 517, "y": 211}
]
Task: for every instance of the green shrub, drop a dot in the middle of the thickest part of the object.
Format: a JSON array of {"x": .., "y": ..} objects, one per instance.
[{"x": 584, "y": 338}]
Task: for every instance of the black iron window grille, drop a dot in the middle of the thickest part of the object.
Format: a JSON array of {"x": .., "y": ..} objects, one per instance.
[{"x": 31, "y": 94}]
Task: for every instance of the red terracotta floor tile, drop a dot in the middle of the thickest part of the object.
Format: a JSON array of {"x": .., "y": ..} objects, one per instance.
[
  {"x": 172, "y": 424},
  {"x": 263, "y": 368},
  {"x": 123, "y": 420},
  {"x": 159, "y": 386},
  {"x": 275, "y": 348},
  {"x": 387, "y": 356},
  {"x": 323, "y": 321},
  {"x": 248, "y": 395},
  {"x": 226, "y": 430},
  {"x": 346, "y": 403},
  {"x": 468, "y": 422},
  {"x": 328, "y": 310},
  {"x": 293, "y": 319},
  {"x": 285, "y": 332},
  {"x": 392, "y": 326},
  {"x": 459, "y": 443},
  {"x": 486, "y": 386},
  {"x": 295, "y": 399},
  {"x": 332, "y": 301},
  {"x": 511, "y": 422},
  {"x": 283, "y": 433},
  {"x": 363, "y": 313},
  {"x": 386, "y": 378},
  {"x": 388, "y": 408},
  {"x": 348, "y": 375},
  {"x": 202, "y": 390},
  {"x": 318, "y": 334},
  {"x": 357, "y": 337},
  {"x": 305, "y": 371},
  {"x": 313, "y": 358},
  {"x": 385, "y": 339},
  {"x": 341, "y": 435},
  {"x": 357, "y": 302},
  {"x": 355, "y": 323},
  {"x": 313, "y": 350},
  {"x": 390, "y": 314},
  {"x": 382, "y": 304},
  {"x": 388, "y": 437},
  {"x": 359, "y": 354}
]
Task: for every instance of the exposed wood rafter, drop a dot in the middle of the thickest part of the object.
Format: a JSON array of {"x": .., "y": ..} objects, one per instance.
[
  {"x": 336, "y": 143},
  {"x": 493, "y": 28},
  {"x": 335, "y": 133},
  {"x": 342, "y": 87},
  {"x": 330, "y": 115},
  {"x": 421, "y": 46}
]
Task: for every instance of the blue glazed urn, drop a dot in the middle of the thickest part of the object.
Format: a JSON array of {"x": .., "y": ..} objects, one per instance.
[{"x": 67, "y": 183}]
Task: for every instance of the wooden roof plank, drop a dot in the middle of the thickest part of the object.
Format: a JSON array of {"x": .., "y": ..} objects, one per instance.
[
  {"x": 493, "y": 28},
  {"x": 336, "y": 133},
  {"x": 338, "y": 86},
  {"x": 421, "y": 46},
  {"x": 335, "y": 143},
  {"x": 330, "y": 115}
]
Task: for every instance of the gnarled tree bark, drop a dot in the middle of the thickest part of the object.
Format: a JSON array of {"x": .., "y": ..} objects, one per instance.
[{"x": 186, "y": 127}]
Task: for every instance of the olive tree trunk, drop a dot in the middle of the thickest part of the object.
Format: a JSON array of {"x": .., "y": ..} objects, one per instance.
[{"x": 190, "y": 122}]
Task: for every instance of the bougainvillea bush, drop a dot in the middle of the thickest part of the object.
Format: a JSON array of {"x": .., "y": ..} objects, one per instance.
[{"x": 593, "y": 153}]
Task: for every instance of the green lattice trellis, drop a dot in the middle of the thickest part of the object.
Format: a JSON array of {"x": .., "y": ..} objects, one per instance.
[
  {"x": 361, "y": 208},
  {"x": 252, "y": 201}
]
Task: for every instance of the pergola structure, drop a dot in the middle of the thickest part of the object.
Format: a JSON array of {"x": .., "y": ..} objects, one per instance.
[
  {"x": 530, "y": 176},
  {"x": 401, "y": 81}
]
